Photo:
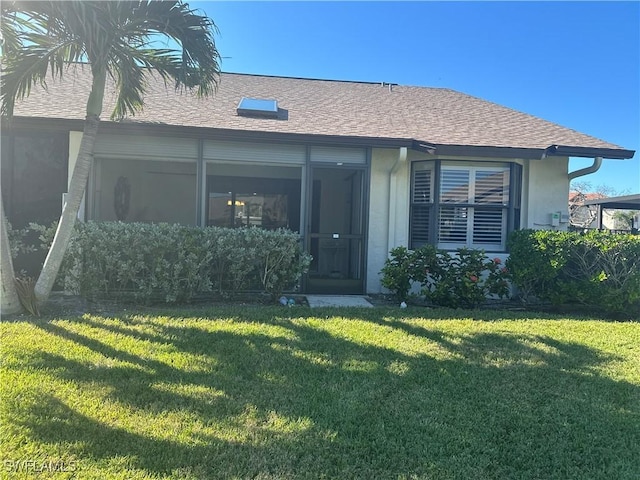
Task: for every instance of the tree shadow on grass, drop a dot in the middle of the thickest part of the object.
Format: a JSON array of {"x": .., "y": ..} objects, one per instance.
[
  {"x": 306, "y": 401},
  {"x": 118, "y": 450}
]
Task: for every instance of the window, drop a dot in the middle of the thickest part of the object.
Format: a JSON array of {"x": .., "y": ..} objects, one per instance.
[
  {"x": 249, "y": 201},
  {"x": 421, "y": 203},
  {"x": 266, "y": 210},
  {"x": 257, "y": 107},
  {"x": 463, "y": 205}
]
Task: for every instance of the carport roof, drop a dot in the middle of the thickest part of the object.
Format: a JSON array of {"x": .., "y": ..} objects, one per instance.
[{"x": 626, "y": 202}]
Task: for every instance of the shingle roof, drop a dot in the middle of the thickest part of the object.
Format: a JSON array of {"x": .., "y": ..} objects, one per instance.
[{"x": 325, "y": 107}]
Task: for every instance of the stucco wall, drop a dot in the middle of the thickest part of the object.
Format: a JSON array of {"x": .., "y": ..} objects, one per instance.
[
  {"x": 547, "y": 191},
  {"x": 74, "y": 148},
  {"x": 388, "y": 210}
]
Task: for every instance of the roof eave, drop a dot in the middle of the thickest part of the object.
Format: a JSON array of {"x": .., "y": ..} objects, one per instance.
[
  {"x": 484, "y": 151},
  {"x": 589, "y": 152},
  {"x": 137, "y": 128},
  {"x": 520, "y": 152},
  {"x": 362, "y": 141}
]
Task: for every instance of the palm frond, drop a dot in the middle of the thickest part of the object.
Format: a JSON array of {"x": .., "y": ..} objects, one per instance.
[
  {"x": 118, "y": 37},
  {"x": 11, "y": 30},
  {"x": 193, "y": 33},
  {"x": 22, "y": 72},
  {"x": 129, "y": 77}
]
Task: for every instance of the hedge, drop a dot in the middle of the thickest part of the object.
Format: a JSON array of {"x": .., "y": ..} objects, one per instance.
[
  {"x": 596, "y": 269},
  {"x": 175, "y": 263}
]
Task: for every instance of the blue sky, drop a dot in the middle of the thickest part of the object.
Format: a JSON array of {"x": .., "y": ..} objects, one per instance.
[{"x": 573, "y": 63}]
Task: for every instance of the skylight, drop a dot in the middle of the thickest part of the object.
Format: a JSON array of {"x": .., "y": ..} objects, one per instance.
[{"x": 250, "y": 107}]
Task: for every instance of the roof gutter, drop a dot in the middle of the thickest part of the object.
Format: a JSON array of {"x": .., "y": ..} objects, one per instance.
[
  {"x": 588, "y": 152},
  {"x": 597, "y": 163}
]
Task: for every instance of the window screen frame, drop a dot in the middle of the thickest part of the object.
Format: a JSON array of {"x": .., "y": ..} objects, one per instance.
[{"x": 429, "y": 214}]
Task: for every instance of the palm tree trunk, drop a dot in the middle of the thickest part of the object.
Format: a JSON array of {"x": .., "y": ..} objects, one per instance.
[
  {"x": 77, "y": 187},
  {"x": 9, "y": 302}
]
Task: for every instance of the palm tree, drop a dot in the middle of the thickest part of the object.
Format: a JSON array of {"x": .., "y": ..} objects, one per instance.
[
  {"x": 9, "y": 301},
  {"x": 119, "y": 42}
]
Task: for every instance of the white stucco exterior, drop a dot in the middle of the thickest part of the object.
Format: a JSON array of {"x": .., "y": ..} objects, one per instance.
[
  {"x": 545, "y": 188},
  {"x": 74, "y": 148},
  {"x": 168, "y": 183},
  {"x": 382, "y": 161},
  {"x": 547, "y": 192}
]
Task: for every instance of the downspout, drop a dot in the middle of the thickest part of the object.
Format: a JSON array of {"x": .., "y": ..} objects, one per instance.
[
  {"x": 597, "y": 163},
  {"x": 393, "y": 201}
]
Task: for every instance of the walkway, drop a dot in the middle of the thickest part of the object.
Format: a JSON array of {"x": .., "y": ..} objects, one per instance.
[{"x": 317, "y": 301}]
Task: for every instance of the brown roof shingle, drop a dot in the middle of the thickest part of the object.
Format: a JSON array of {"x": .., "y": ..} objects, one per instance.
[{"x": 325, "y": 107}]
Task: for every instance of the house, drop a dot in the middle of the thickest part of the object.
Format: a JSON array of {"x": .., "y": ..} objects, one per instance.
[
  {"x": 605, "y": 209},
  {"x": 584, "y": 216},
  {"x": 357, "y": 168},
  {"x": 597, "y": 211}
]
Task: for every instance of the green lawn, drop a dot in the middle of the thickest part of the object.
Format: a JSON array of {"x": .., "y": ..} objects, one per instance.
[{"x": 266, "y": 392}]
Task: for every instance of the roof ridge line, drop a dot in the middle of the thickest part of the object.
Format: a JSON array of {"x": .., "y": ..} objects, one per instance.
[
  {"x": 309, "y": 78},
  {"x": 361, "y": 82}
]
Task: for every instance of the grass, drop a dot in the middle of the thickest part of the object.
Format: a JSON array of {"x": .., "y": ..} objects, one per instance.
[{"x": 261, "y": 392}]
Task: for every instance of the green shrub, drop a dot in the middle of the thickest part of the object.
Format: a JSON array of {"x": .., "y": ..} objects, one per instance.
[
  {"x": 596, "y": 269},
  {"x": 535, "y": 258},
  {"x": 397, "y": 272},
  {"x": 29, "y": 247},
  {"x": 145, "y": 261},
  {"x": 234, "y": 257},
  {"x": 22, "y": 241},
  {"x": 405, "y": 267},
  {"x": 280, "y": 260},
  {"x": 465, "y": 278},
  {"x": 17, "y": 244},
  {"x": 174, "y": 263}
]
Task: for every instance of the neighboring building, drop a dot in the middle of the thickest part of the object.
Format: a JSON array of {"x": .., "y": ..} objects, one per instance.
[
  {"x": 597, "y": 211},
  {"x": 606, "y": 208},
  {"x": 357, "y": 168},
  {"x": 586, "y": 216}
]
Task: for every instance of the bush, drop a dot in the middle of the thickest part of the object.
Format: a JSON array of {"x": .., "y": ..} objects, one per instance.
[
  {"x": 234, "y": 256},
  {"x": 463, "y": 279},
  {"x": 466, "y": 279},
  {"x": 146, "y": 261},
  {"x": 29, "y": 248},
  {"x": 397, "y": 272},
  {"x": 254, "y": 259},
  {"x": 597, "y": 269},
  {"x": 404, "y": 268},
  {"x": 534, "y": 261},
  {"x": 280, "y": 260},
  {"x": 175, "y": 263},
  {"x": 17, "y": 243},
  {"x": 22, "y": 241}
]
